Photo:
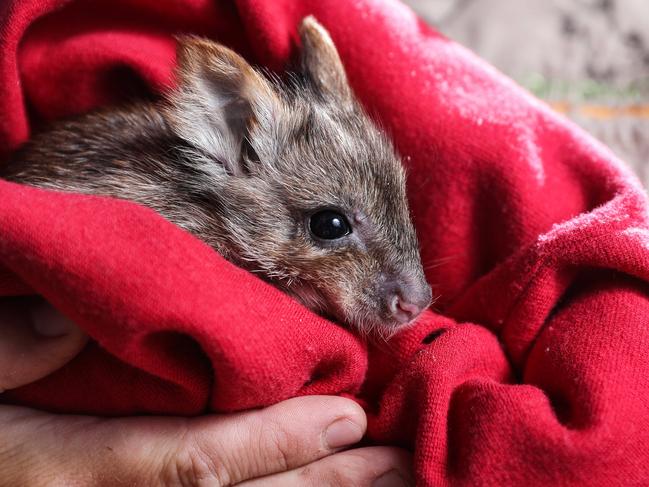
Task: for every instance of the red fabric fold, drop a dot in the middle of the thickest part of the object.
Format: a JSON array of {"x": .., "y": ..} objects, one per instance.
[{"x": 532, "y": 370}]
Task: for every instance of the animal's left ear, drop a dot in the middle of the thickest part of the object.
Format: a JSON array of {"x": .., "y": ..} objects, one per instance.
[
  {"x": 321, "y": 62},
  {"x": 219, "y": 101}
]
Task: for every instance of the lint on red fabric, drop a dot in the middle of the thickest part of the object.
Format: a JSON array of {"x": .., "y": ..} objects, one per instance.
[{"x": 533, "y": 369}]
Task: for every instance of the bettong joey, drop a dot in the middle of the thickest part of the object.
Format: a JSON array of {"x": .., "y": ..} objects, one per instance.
[{"x": 288, "y": 179}]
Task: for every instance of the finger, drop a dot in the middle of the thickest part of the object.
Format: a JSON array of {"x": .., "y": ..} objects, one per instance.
[
  {"x": 213, "y": 450},
  {"x": 35, "y": 340},
  {"x": 371, "y": 467},
  {"x": 281, "y": 437}
]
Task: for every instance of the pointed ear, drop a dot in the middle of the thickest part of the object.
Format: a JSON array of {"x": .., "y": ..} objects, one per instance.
[
  {"x": 218, "y": 101},
  {"x": 321, "y": 62}
]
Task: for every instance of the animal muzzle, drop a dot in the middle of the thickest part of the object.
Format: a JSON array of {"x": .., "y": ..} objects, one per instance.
[{"x": 405, "y": 298}]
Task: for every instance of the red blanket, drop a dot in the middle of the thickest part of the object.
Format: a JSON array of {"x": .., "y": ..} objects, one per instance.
[{"x": 535, "y": 367}]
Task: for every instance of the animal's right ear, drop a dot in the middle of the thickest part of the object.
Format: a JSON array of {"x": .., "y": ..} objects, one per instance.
[
  {"x": 219, "y": 100},
  {"x": 321, "y": 62}
]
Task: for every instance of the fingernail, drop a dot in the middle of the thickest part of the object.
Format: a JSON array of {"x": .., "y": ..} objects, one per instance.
[
  {"x": 391, "y": 478},
  {"x": 48, "y": 322},
  {"x": 342, "y": 432}
]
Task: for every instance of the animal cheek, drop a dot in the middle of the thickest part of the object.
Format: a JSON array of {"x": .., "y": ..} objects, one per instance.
[
  {"x": 339, "y": 275},
  {"x": 360, "y": 280}
]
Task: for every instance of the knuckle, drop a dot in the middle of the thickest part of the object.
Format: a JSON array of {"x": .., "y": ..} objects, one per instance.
[
  {"x": 345, "y": 471},
  {"x": 278, "y": 445},
  {"x": 259, "y": 448},
  {"x": 341, "y": 479},
  {"x": 191, "y": 466}
]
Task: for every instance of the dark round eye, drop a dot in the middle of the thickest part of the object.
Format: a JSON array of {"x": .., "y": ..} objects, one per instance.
[{"x": 329, "y": 225}]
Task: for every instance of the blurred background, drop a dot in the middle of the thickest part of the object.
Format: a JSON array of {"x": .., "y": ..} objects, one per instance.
[{"x": 588, "y": 58}]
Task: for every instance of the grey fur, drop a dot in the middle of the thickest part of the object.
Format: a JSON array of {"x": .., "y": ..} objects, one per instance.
[{"x": 241, "y": 162}]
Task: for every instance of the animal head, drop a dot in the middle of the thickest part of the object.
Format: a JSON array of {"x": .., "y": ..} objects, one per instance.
[{"x": 310, "y": 193}]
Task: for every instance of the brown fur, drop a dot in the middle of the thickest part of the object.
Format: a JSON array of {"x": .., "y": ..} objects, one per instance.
[{"x": 242, "y": 162}]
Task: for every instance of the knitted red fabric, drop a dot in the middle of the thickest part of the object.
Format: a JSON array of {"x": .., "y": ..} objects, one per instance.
[{"x": 536, "y": 238}]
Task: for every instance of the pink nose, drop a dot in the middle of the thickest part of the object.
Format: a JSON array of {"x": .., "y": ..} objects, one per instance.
[{"x": 406, "y": 305}]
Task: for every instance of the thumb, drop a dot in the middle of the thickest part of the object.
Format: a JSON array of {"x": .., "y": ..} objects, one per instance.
[
  {"x": 35, "y": 340},
  {"x": 209, "y": 450}
]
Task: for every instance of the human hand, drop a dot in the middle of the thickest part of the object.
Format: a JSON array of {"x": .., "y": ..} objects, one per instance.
[
  {"x": 35, "y": 340},
  {"x": 296, "y": 442}
]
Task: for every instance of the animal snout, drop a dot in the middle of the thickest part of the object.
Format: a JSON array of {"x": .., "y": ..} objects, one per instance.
[{"x": 406, "y": 300}]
